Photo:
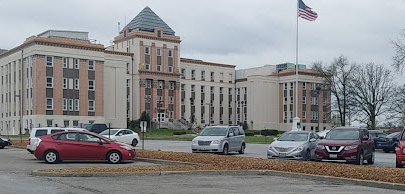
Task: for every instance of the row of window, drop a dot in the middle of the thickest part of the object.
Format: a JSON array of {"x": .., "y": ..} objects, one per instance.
[
  {"x": 314, "y": 100},
  {"x": 76, "y": 62},
  {"x": 314, "y": 115},
  {"x": 70, "y": 104},
  {"x": 49, "y": 83},
  {"x": 304, "y": 86},
  {"x": 212, "y": 75}
]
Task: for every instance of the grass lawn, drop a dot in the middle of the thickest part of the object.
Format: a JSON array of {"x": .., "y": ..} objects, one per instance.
[{"x": 167, "y": 134}]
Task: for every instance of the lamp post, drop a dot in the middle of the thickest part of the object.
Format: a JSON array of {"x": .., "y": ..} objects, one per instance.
[{"x": 318, "y": 89}]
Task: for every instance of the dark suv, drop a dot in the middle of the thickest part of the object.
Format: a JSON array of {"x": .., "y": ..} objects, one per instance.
[
  {"x": 347, "y": 143},
  {"x": 95, "y": 127}
]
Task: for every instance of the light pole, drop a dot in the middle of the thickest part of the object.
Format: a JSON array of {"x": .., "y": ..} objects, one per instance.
[
  {"x": 242, "y": 105},
  {"x": 318, "y": 89},
  {"x": 148, "y": 99}
]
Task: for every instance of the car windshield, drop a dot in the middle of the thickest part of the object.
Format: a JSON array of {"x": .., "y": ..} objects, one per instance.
[
  {"x": 343, "y": 135},
  {"x": 87, "y": 126},
  {"x": 396, "y": 134},
  {"x": 214, "y": 131},
  {"x": 112, "y": 132},
  {"x": 293, "y": 137}
]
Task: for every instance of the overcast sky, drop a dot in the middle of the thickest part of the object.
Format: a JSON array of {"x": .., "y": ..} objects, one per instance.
[{"x": 240, "y": 32}]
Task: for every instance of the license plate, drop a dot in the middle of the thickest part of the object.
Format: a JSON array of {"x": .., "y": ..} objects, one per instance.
[
  {"x": 282, "y": 155},
  {"x": 333, "y": 156},
  {"x": 203, "y": 149}
]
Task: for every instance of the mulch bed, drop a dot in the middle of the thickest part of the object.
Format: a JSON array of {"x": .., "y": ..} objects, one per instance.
[{"x": 221, "y": 162}]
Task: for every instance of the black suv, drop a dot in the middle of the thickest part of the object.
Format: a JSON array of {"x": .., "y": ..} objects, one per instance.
[{"x": 95, "y": 127}]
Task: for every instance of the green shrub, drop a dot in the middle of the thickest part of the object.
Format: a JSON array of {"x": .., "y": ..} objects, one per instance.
[
  {"x": 249, "y": 133},
  {"x": 256, "y": 132},
  {"x": 269, "y": 132}
]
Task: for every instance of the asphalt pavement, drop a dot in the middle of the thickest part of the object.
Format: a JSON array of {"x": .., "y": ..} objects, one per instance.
[{"x": 252, "y": 150}]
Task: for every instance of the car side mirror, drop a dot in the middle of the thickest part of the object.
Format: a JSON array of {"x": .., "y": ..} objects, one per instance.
[
  {"x": 100, "y": 142},
  {"x": 312, "y": 140}
]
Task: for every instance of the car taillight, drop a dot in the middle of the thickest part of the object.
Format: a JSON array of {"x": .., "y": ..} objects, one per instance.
[
  {"x": 387, "y": 140},
  {"x": 29, "y": 141}
]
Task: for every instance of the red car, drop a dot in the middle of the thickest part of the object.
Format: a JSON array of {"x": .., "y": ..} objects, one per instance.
[
  {"x": 400, "y": 150},
  {"x": 346, "y": 143},
  {"x": 81, "y": 145}
]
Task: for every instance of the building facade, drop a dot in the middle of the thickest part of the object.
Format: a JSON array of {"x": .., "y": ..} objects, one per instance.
[{"x": 61, "y": 78}]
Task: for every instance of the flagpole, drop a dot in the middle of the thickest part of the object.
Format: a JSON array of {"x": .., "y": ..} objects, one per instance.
[{"x": 296, "y": 118}]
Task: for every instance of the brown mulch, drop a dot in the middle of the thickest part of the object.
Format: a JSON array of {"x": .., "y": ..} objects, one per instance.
[{"x": 220, "y": 162}]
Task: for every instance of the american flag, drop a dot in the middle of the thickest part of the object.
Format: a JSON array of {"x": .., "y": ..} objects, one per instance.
[{"x": 306, "y": 12}]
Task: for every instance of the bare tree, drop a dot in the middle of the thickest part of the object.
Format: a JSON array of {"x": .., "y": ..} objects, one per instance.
[
  {"x": 399, "y": 57},
  {"x": 373, "y": 90},
  {"x": 338, "y": 75},
  {"x": 399, "y": 104}
]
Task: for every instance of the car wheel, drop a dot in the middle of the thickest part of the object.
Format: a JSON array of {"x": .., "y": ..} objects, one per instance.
[
  {"x": 225, "y": 150},
  {"x": 386, "y": 151},
  {"x": 134, "y": 142},
  {"x": 1, "y": 147},
  {"x": 394, "y": 146},
  {"x": 242, "y": 149},
  {"x": 114, "y": 157},
  {"x": 307, "y": 156},
  {"x": 372, "y": 158},
  {"x": 360, "y": 158},
  {"x": 51, "y": 157},
  {"x": 398, "y": 165}
]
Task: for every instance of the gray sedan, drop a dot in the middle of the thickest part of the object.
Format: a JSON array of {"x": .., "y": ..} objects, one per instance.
[{"x": 299, "y": 145}]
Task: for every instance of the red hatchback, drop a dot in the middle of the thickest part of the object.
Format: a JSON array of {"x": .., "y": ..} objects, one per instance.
[
  {"x": 347, "y": 143},
  {"x": 81, "y": 145},
  {"x": 400, "y": 150}
]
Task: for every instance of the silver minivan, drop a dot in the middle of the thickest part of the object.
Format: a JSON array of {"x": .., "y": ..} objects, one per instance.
[{"x": 220, "y": 139}]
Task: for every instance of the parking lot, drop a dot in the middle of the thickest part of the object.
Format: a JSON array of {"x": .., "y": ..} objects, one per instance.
[{"x": 17, "y": 164}]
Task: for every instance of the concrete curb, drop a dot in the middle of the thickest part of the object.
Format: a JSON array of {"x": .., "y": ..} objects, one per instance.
[{"x": 368, "y": 183}]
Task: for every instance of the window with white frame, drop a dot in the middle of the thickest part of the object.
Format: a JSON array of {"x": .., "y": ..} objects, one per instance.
[
  {"x": 192, "y": 88},
  {"x": 304, "y": 100},
  {"x": 148, "y": 83},
  {"x": 183, "y": 86},
  {"x": 160, "y": 84},
  {"x": 291, "y": 99},
  {"x": 92, "y": 85},
  {"x": 65, "y": 83},
  {"x": 76, "y": 104},
  {"x": 221, "y": 90},
  {"x": 212, "y": 89},
  {"x": 183, "y": 73},
  {"x": 65, "y": 104},
  {"x": 292, "y": 85},
  {"x": 192, "y": 74},
  {"x": 76, "y": 63},
  {"x": 171, "y": 85},
  {"x": 304, "y": 85},
  {"x": 170, "y": 53},
  {"x": 202, "y": 89},
  {"x": 127, "y": 67},
  {"x": 170, "y": 99},
  {"x": 158, "y": 52},
  {"x": 65, "y": 62},
  {"x": 91, "y": 106},
  {"x": 285, "y": 86},
  {"x": 203, "y": 75},
  {"x": 285, "y": 101},
  {"x": 127, "y": 83},
  {"x": 91, "y": 65},
  {"x": 49, "y": 82},
  {"x": 49, "y": 61},
  {"x": 304, "y": 115},
  {"x": 147, "y": 50},
  {"x": 285, "y": 115},
  {"x": 76, "y": 84},
  {"x": 212, "y": 76},
  {"x": 49, "y": 103},
  {"x": 70, "y": 104},
  {"x": 147, "y": 55}
]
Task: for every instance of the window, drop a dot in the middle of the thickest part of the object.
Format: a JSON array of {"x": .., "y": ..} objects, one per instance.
[
  {"x": 49, "y": 61},
  {"x": 212, "y": 89},
  {"x": 304, "y": 115},
  {"x": 203, "y": 75},
  {"x": 170, "y": 53},
  {"x": 76, "y": 104},
  {"x": 193, "y": 74},
  {"x": 148, "y": 83},
  {"x": 212, "y": 76},
  {"x": 285, "y": 115},
  {"x": 64, "y": 104},
  {"x": 91, "y": 85},
  {"x": 49, "y": 103},
  {"x": 65, "y": 80},
  {"x": 304, "y": 100},
  {"x": 220, "y": 90},
  {"x": 49, "y": 82},
  {"x": 76, "y": 63},
  {"x": 159, "y": 67},
  {"x": 183, "y": 86},
  {"x": 127, "y": 83},
  {"x": 128, "y": 68},
  {"x": 76, "y": 84},
  {"x": 49, "y": 122},
  {"x": 292, "y": 85},
  {"x": 202, "y": 89},
  {"x": 66, "y": 123},
  {"x": 285, "y": 86},
  {"x": 221, "y": 77},
  {"x": 183, "y": 73},
  {"x": 171, "y": 85},
  {"x": 91, "y": 106},
  {"x": 160, "y": 84},
  {"x": 70, "y": 104},
  {"x": 65, "y": 62},
  {"x": 304, "y": 86},
  {"x": 192, "y": 88},
  {"x": 75, "y": 123},
  {"x": 91, "y": 65},
  {"x": 158, "y": 51},
  {"x": 146, "y": 50},
  {"x": 170, "y": 99}
]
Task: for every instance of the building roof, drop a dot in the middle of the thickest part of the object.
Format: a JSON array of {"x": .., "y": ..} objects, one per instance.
[
  {"x": 65, "y": 33},
  {"x": 288, "y": 72},
  {"x": 201, "y": 62},
  {"x": 147, "y": 20},
  {"x": 2, "y": 51}
]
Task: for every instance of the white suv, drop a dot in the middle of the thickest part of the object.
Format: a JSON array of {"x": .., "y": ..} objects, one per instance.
[{"x": 38, "y": 132}]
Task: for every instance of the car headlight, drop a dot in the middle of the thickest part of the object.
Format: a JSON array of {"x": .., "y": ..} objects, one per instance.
[
  {"x": 403, "y": 150},
  {"x": 301, "y": 147},
  {"x": 217, "y": 142},
  {"x": 322, "y": 147},
  {"x": 194, "y": 142},
  {"x": 351, "y": 147},
  {"x": 126, "y": 147}
]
